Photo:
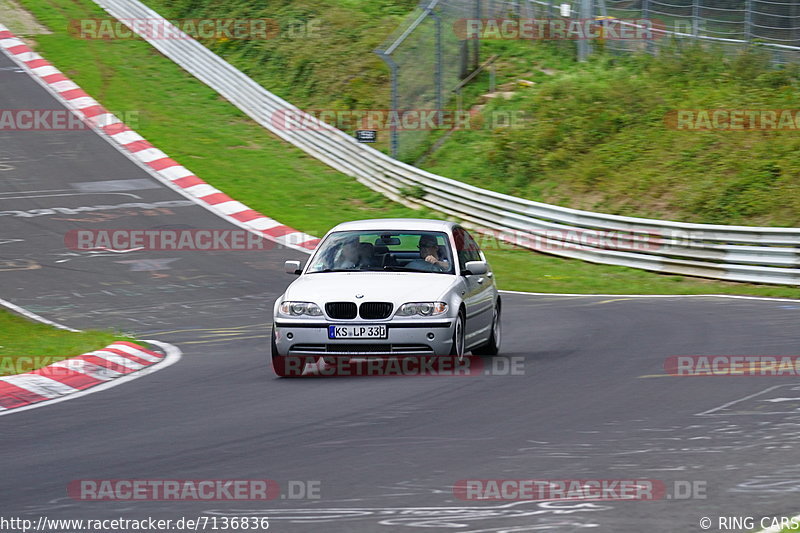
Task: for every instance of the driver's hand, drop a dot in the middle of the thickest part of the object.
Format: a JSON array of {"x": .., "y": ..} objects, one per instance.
[{"x": 431, "y": 259}]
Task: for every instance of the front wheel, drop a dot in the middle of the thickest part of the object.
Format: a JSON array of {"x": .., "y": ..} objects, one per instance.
[
  {"x": 492, "y": 346},
  {"x": 458, "y": 337}
]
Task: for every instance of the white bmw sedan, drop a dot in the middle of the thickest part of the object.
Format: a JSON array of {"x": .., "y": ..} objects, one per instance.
[{"x": 387, "y": 287}]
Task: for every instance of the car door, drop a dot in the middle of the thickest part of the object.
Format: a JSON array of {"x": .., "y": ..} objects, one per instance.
[{"x": 479, "y": 296}]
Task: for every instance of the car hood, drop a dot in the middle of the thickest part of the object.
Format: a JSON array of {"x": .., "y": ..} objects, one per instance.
[{"x": 395, "y": 287}]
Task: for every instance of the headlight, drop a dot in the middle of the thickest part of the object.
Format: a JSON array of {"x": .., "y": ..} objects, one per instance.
[
  {"x": 422, "y": 309},
  {"x": 299, "y": 309}
]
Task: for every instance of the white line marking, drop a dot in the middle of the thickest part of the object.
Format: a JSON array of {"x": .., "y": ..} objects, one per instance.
[
  {"x": 751, "y": 396},
  {"x": 734, "y": 296},
  {"x": 136, "y": 196},
  {"x": 43, "y": 190},
  {"x": 34, "y": 316}
]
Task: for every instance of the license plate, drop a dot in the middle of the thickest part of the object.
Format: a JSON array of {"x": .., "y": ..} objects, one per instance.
[{"x": 357, "y": 332}]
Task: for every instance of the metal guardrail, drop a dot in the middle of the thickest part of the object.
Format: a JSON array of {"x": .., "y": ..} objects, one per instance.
[{"x": 736, "y": 253}]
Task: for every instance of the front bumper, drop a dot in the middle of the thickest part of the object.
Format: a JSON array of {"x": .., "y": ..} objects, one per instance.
[{"x": 404, "y": 338}]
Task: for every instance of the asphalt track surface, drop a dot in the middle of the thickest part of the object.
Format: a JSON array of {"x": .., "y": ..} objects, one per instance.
[{"x": 385, "y": 451}]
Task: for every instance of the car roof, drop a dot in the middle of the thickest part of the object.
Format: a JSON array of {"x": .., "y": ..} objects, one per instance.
[{"x": 397, "y": 224}]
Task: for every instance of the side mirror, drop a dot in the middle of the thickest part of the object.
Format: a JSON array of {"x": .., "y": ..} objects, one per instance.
[
  {"x": 292, "y": 267},
  {"x": 476, "y": 268}
]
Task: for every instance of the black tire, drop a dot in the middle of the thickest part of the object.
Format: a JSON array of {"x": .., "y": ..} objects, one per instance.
[
  {"x": 459, "y": 336},
  {"x": 286, "y": 366},
  {"x": 492, "y": 346}
]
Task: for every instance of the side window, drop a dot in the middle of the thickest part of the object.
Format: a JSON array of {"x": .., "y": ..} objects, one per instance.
[{"x": 466, "y": 248}]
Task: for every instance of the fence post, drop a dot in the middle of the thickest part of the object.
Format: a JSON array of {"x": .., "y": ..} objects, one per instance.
[
  {"x": 477, "y": 39},
  {"x": 584, "y": 15},
  {"x": 748, "y": 20},
  {"x": 695, "y": 18},
  {"x": 393, "y": 68},
  {"x": 646, "y": 17},
  {"x": 439, "y": 70}
]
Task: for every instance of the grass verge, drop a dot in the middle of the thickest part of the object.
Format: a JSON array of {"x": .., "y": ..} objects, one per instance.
[
  {"x": 26, "y": 345},
  {"x": 603, "y": 136},
  {"x": 221, "y": 145}
]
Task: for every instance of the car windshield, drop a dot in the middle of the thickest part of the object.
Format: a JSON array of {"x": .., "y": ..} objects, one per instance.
[{"x": 392, "y": 251}]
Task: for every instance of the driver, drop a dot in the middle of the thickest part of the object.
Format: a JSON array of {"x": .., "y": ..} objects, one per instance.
[
  {"x": 348, "y": 256},
  {"x": 429, "y": 260}
]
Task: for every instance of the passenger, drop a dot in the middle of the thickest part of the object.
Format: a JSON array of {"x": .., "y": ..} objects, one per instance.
[{"x": 429, "y": 260}]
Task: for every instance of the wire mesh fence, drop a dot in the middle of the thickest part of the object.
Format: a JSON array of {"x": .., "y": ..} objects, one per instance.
[
  {"x": 436, "y": 48},
  {"x": 431, "y": 53},
  {"x": 774, "y": 25}
]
